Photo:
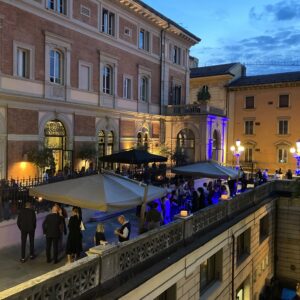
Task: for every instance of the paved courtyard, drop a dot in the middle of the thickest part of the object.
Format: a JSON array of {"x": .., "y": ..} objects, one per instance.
[{"x": 13, "y": 272}]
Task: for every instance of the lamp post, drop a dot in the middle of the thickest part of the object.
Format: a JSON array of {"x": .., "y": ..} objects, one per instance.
[
  {"x": 296, "y": 154},
  {"x": 236, "y": 151}
]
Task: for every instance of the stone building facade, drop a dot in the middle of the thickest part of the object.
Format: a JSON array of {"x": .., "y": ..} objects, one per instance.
[{"x": 98, "y": 74}]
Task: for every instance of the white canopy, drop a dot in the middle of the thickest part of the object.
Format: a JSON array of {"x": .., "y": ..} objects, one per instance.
[
  {"x": 210, "y": 169},
  {"x": 104, "y": 192}
]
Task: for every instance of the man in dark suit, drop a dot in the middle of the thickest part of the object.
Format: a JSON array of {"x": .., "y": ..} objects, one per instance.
[
  {"x": 27, "y": 224},
  {"x": 52, "y": 230}
]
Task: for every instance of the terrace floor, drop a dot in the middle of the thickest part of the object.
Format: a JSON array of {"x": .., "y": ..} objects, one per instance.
[{"x": 13, "y": 272}]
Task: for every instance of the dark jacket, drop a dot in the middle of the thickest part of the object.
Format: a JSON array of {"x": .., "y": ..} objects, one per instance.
[
  {"x": 52, "y": 225},
  {"x": 27, "y": 220}
]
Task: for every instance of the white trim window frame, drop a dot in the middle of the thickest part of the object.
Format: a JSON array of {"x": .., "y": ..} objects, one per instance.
[
  {"x": 83, "y": 84},
  {"x": 23, "y": 60},
  {"x": 144, "y": 39},
  {"x": 56, "y": 61},
  {"x": 58, "y": 6},
  {"x": 144, "y": 85},
  {"x": 127, "y": 87},
  {"x": 283, "y": 127},
  {"x": 108, "y": 21},
  {"x": 107, "y": 60},
  {"x": 282, "y": 155}
]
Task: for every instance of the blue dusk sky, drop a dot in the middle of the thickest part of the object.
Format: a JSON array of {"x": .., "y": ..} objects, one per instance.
[{"x": 263, "y": 34}]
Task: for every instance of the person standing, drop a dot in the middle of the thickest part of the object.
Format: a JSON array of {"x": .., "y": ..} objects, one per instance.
[
  {"x": 123, "y": 232},
  {"x": 27, "y": 224},
  {"x": 52, "y": 230},
  {"x": 74, "y": 242},
  {"x": 153, "y": 217}
]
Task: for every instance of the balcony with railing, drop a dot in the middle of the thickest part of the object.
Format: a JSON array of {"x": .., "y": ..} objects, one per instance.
[
  {"x": 106, "y": 267},
  {"x": 193, "y": 109}
]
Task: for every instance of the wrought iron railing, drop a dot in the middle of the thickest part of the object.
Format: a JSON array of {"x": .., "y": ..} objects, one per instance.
[{"x": 192, "y": 109}]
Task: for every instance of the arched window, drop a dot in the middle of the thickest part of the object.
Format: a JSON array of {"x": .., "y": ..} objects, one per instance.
[
  {"x": 216, "y": 145},
  {"x": 186, "y": 144},
  {"x": 56, "y": 66},
  {"x": 139, "y": 140},
  {"x": 55, "y": 139},
  {"x": 146, "y": 140},
  {"x": 144, "y": 89},
  {"x": 110, "y": 143},
  {"x": 101, "y": 143},
  {"x": 107, "y": 80}
]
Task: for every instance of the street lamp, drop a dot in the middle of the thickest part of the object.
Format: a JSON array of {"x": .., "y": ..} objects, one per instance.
[
  {"x": 236, "y": 151},
  {"x": 296, "y": 154}
]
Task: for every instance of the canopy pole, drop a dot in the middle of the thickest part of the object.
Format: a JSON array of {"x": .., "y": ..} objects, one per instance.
[{"x": 143, "y": 208}]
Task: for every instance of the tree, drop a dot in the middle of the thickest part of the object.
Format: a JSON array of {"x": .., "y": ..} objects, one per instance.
[
  {"x": 203, "y": 94},
  {"x": 165, "y": 151},
  {"x": 87, "y": 153},
  {"x": 42, "y": 158}
]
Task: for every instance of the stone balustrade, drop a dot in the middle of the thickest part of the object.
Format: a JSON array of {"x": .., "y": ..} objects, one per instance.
[
  {"x": 192, "y": 109},
  {"x": 107, "y": 262}
]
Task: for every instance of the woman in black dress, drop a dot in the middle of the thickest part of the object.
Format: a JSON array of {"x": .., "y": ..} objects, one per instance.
[{"x": 74, "y": 242}]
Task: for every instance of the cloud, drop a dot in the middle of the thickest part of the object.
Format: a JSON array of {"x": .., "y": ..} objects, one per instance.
[
  {"x": 273, "y": 51},
  {"x": 280, "y": 11}
]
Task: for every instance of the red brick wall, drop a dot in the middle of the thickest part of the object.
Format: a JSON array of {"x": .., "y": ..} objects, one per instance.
[
  {"x": 84, "y": 126},
  {"x": 93, "y": 19},
  {"x": 22, "y": 121},
  {"x": 127, "y": 128},
  {"x": 156, "y": 44},
  {"x": 25, "y": 27},
  {"x": 123, "y": 23}
]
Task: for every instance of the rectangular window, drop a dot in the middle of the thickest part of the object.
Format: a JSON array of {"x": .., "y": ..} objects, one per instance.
[
  {"x": 249, "y": 102},
  {"x": 144, "y": 39},
  {"x": 248, "y": 127},
  {"x": 108, "y": 22},
  {"x": 264, "y": 228},
  {"x": 283, "y": 127},
  {"x": 284, "y": 101},
  {"x": 59, "y": 6},
  {"x": 248, "y": 154},
  {"x": 56, "y": 66},
  {"x": 127, "y": 88},
  {"x": 210, "y": 271},
  {"x": 176, "y": 55},
  {"x": 282, "y": 155},
  {"x": 23, "y": 62},
  {"x": 84, "y": 77},
  {"x": 243, "y": 246}
]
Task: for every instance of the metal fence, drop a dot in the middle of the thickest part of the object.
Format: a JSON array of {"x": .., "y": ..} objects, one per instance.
[{"x": 14, "y": 193}]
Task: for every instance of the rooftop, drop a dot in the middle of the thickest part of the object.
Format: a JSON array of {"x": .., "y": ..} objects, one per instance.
[
  {"x": 212, "y": 70},
  {"x": 266, "y": 79}
]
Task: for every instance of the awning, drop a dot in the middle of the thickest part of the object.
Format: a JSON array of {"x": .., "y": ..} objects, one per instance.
[
  {"x": 209, "y": 169},
  {"x": 104, "y": 192}
]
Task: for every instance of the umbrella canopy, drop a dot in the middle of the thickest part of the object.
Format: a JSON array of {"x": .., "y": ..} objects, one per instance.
[
  {"x": 134, "y": 156},
  {"x": 208, "y": 169},
  {"x": 104, "y": 192}
]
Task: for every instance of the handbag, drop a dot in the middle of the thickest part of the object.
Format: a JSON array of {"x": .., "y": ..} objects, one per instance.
[{"x": 82, "y": 227}]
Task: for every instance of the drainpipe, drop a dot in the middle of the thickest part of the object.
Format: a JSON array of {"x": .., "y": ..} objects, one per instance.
[{"x": 162, "y": 65}]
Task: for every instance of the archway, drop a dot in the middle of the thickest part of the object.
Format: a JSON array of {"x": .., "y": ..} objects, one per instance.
[
  {"x": 55, "y": 139},
  {"x": 185, "y": 145},
  {"x": 216, "y": 148}
]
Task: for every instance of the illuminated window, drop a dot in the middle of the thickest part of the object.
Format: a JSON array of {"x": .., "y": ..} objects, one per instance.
[
  {"x": 210, "y": 271},
  {"x": 282, "y": 155},
  {"x": 56, "y": 66},
  {"x": 108, "y": 22},
  {"x": 284, "y": 101}
]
